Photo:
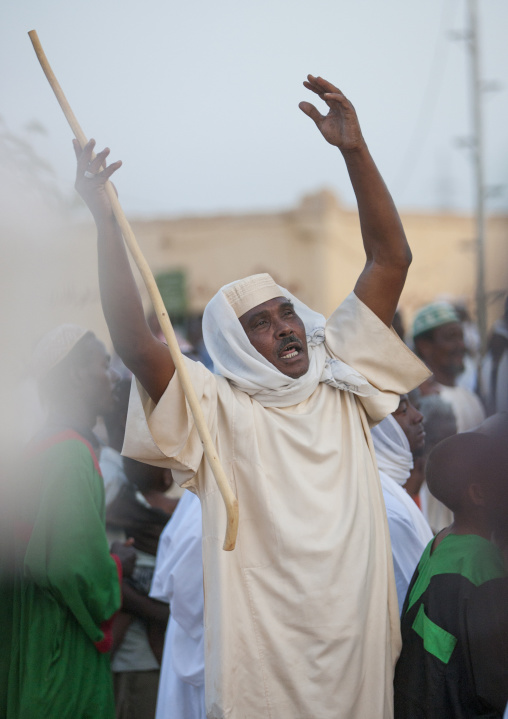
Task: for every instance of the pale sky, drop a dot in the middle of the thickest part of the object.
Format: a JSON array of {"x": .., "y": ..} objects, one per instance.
[{"x": 200, "y": 98}]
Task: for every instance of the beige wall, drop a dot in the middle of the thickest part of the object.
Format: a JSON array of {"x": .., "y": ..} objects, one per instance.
[{"x": 315, "y": 250}]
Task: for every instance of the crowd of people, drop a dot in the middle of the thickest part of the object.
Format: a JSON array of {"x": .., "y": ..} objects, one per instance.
[{"x": 370, "y": 574}]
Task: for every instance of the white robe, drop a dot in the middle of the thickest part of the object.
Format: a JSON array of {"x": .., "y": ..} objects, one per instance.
[
  {"x": 407, "y": 548},
  {"x": 178, "y": 580},
  {"x": 409, "y": 530},
  {"x": 301, "y": 619}
]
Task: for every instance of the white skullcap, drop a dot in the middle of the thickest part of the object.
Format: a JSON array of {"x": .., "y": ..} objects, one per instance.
[
  {"x": 54, "y": 347},
  {"x": 250, "y": 292}
]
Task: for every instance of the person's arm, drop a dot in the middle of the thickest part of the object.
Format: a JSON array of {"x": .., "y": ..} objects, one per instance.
[
  {"x": 148, "y": 359},
  {"x": 143, "y": 606},
  {"x": 388, "y": 255},
  {"x": 126, "y": 555}
]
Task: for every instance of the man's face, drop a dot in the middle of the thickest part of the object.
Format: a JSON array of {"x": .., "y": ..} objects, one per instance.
[
  {"x": 411, "y": 422},
  {"x": 99, "y": 379},
  {"x": 444, "y": 353},
  {"x": 276, "y": 332}
]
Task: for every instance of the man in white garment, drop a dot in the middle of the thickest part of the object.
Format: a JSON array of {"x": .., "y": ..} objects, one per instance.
[
  {"x": 395, "y": 438},
  {"x": 439, "y": 340},
  {"x": 301, "y": 619},
  {"x": 178, "y": 580}
]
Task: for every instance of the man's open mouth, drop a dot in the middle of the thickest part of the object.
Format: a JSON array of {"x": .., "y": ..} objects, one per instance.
[{"x": 290, "y": 350}]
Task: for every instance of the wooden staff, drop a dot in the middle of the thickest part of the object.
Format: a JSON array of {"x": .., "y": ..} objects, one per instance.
[{"x": 211, "y": 454}]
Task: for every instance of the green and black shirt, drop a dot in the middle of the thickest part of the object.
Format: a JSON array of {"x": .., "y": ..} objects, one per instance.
[{"x": 435, "y": 677}]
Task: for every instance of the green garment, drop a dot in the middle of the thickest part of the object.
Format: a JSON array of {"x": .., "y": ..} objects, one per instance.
[{"x": 65, "y": 589}]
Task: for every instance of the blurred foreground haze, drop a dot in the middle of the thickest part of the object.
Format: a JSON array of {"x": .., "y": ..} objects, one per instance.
[{"x": 200, "y": 101}]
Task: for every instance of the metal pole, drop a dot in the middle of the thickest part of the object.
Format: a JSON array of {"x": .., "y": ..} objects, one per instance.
[{"x": 476, "y": 96}]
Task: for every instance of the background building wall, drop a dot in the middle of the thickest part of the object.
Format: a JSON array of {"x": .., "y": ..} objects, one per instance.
[{"x": 314, "y": 249}]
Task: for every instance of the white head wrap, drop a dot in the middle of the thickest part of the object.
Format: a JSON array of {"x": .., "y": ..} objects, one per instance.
[
  {"x": 393, "y": 454},
  {"x": 235, "y": 358},
  {"x": 53, "y": 347},
  {"x": 395, "y": 462}
]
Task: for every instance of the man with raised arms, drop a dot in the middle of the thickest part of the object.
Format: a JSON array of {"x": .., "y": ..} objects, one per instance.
[{"x": 301, "y": 619}]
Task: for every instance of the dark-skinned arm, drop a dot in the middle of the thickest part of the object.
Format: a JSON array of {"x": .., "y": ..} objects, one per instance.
[
  {"x": 142, "y": 606},
  {"x": 388, "y": 255},
  {"x": 147, "y": 358}
]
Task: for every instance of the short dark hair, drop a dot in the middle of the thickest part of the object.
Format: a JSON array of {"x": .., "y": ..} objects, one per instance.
[
  {"x": 456, "y": 463},
  {"x": 427, "y": 335}
]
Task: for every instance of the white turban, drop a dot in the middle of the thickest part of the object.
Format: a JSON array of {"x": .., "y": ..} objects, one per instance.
[
  {"x": 54, "y": 347},
  {"x": 395, "y": 462},
  {"x": 235, "y": 358},
  {"x": 393, "y": 454}
]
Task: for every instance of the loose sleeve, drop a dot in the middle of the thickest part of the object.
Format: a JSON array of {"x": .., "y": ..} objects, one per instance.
[
  {"x": 164, "y": 434},
  {"x": 67, "y": 553},
  {"x": 355, "y": 335}
]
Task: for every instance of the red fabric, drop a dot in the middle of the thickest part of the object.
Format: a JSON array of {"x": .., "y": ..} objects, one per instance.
[
  {"x": 104, "y": 645},
  {"x": 417, "y": 500}
]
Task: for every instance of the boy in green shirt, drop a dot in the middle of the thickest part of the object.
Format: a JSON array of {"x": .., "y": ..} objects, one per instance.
[{"x": 436, "y": 675}]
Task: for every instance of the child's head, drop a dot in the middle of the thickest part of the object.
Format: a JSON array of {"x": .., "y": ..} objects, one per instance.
[{"x": 461, "y": 473}]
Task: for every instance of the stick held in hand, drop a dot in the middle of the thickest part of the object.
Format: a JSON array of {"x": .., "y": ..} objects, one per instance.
[{"x": 211, "y": 454}]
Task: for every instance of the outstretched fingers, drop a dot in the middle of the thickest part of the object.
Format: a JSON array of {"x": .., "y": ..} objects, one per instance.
[
  {"x": 108, "y": 171},
  {"x": 327, "y": 92},
  {"x": 92, "y": 175},
  {"x": 97, "y": 165},
  {"x": 83, "y": 155},
  {"x": 314, "y": 114},
  {"x": 319, "y": 85},
  {"x": 99, "y": 161}
]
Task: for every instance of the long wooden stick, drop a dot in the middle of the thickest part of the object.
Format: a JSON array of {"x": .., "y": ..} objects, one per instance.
[{"x": 211, "y": 454}]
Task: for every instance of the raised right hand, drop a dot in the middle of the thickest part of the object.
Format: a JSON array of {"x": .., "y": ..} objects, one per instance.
[
  {"x": 92, "y": 189},
  {"x": 340, "y": 127}
]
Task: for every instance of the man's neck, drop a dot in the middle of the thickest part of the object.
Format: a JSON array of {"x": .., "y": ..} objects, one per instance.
[
  {"x": 462, "y": 524},
  {"x": 444, "y": 378},
  {"x": 76, "y": 418}
]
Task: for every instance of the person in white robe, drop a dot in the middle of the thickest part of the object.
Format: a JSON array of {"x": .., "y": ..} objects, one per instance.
[
  {"x": 301, "y": 619},
  {"x": 439, "y": 340},
  {"x": 409, "y": 530},
  {"x": 178, "y": 580}
]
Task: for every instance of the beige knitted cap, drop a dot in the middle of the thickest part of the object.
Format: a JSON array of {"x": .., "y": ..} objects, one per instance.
[
  {"x": 53, "y": 347},
  {"x": 250, "y": 292}
]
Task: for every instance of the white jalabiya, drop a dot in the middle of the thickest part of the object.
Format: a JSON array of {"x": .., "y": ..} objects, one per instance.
[
  {"x": 301, "y": 619},
  {"x": 409, "y": 530},
  {"x": 393, "y": 453},
  {"x": 178, "y": 580},
  {"x": 395, "y": 462}
]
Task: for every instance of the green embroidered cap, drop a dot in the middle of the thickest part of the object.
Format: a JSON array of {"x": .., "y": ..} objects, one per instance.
[{"x": 433, "y": 315}]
